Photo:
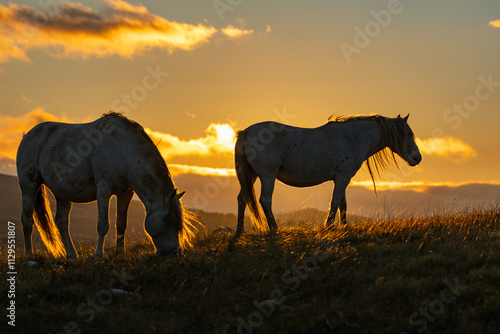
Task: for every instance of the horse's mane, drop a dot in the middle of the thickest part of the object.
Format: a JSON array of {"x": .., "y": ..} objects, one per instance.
[
  {"x": 149, "y": 148},
  {"x": 392, "y": 131},
  {"x": 131, "y": 123},
  {"x": 180, "y": 216}
]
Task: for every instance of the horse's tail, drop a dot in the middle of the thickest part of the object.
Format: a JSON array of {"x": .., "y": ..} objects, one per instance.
[
  {"x": 246, "y": 177},
  {"x": 45, "y": 224}
]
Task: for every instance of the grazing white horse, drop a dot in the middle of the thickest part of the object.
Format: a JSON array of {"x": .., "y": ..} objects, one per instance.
[
  {"x": 93, "y": 161},
  {"x": 303, "y": 157}
]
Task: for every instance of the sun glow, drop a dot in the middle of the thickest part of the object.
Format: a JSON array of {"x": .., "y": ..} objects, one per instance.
[
  {"x": 226, "y": 135},
  {"x": 219, "y": 139}
]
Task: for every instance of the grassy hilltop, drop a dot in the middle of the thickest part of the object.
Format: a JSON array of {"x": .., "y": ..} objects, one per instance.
[{"x": 432, "y": 275}]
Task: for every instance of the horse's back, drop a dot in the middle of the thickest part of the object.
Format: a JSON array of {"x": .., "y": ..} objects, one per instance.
[
  {"x": 298, "y": 156},
  {"x": 273, "y": 138},
  {"x": 29, "y": 150},
  {"x": 65, "y": 156}
]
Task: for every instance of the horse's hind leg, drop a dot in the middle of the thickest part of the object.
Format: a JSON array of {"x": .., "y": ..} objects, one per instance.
[
  {"x": 240, "y": 228},
  {"x": 28, "y": 202},
  {"x": 123, "y": 202},
  {"x": 241, "y": 214},
  {"x": 266, "y": 194},
  {"x": 338, "y": 194},
  {"x": 103, "y": 196},
  {"x": 62, "y": 223}
]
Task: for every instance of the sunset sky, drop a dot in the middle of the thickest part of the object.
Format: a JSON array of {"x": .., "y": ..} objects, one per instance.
[{"x": 194, "y": 72}]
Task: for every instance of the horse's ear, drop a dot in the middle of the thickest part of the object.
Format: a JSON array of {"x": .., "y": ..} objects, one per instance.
[
  {"x": 172, "y": 194},
  {"x": 179, "y": 196},
  {"x": 399, "y": 116},
  {"x": 406, "y": 118}
]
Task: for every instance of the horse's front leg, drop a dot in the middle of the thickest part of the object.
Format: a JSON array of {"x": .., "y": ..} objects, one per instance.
[
  {"x": 62, "y": 223},
  {"x": 103, "y": 196},
  {"x": 338, "y": 198},
  {"x": 123, "y": 202}
]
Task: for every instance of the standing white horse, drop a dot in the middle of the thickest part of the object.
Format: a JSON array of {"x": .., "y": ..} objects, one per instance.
[
  {"x": 303, "y": 157},
  {"x": 93, "y": 161}
]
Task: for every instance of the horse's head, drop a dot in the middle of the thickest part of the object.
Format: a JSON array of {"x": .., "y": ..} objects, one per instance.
[
  {"x": 164, "y": 226},
  {"x": 406, "y": 147}
]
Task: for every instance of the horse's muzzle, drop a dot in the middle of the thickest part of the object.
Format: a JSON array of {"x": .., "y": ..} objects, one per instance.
[
  {"x": 415, "y": 159},
  {"x": 173, "y": 251}
]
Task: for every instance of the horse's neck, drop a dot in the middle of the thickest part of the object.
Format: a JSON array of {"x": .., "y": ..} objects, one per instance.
[
  {"x": 151, "y": 183},
  {"x": 370, "y": 136},
  {"x": 153, "y": 195}
]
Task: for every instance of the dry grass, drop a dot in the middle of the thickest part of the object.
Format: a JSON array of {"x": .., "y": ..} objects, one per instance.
[{"x": 432, "y": 275}]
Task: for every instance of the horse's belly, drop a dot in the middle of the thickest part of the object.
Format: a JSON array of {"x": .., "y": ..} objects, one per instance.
[
  {"x": 298, "y": 180},
  {"x": 77, "y": 192}
]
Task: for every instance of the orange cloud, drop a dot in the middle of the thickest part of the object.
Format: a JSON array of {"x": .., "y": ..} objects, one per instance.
[
  {"x": 418, "y": 186},
  {"x": 75, "y": 30},
  {"x": 12, "y": 130},
  {"x": 451, "y": 148},
  {"x": 235, "y": 32},
  {"x": 177, "y": 169},
  {"x": 494, "y": 23},
  {"x": 219, "y": 139}
]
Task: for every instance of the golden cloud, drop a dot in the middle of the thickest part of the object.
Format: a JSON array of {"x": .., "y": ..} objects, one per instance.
[
  {"x": 219, "y": 139},
  {"x": 235, "y": 32},
  {"x": 494, "y": 23},
  {"x": 75, "y": 30},
  {"x": 12, "y": 130},
  {"x": 418, "y": 186},
  {"x": 450, "y": 148},
  {"x": 177, "y": 169}
]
